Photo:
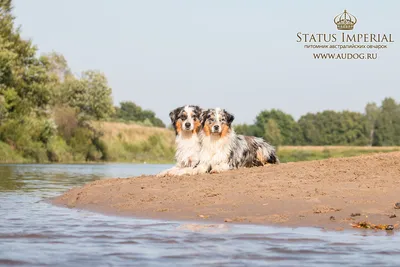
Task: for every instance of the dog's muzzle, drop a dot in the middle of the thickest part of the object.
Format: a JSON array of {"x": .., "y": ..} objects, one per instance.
[
  {"x": 188, "y": 126},
  {"x": 216, "y": 129}
]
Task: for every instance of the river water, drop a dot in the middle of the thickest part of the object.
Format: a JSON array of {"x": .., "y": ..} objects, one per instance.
[{"x": 36, "y": 233}]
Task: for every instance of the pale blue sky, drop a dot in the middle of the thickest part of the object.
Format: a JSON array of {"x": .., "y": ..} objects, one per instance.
[{"x": 240, "y": 55}]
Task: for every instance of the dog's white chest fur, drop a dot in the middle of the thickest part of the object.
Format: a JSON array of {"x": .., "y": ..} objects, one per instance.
[
  {"x": 187, "y": 150},
  {"x": 215, "y": 151}
]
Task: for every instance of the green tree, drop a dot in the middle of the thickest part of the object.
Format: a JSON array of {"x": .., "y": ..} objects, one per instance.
[
  {"x": 247, "y": 129},
  {"x": 44, "y": 109},
  {"x": 290, "y": 131},
  {"x": 3, "y": 109},
  {"x": 56, "y": 65},
  {"x": 23, "y": 77},
  {"x": 387, "y": 129},
  {"x": 100, "y": 103},
  {"x": 59, "y": 73},
  {"x": 311, "y": 133},
  {"x": 90, "y": 94},
  {"x": 334, "y": 128},
  {"x": 372, "y": 112},
  {"x": 272, "y": 133},
  {"x": 129, "y": 111}
]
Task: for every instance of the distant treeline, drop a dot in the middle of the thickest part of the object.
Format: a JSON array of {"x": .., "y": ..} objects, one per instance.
[
  {"x": 377, "y": 126},
  {"x": 46, "y": 109},
  {"x": 129, "y": 111}
]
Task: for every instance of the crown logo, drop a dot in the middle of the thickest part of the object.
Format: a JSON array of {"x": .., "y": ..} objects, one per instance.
[{"x": 345, "y": 21}]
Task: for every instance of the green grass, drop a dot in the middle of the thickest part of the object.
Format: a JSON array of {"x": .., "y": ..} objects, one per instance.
[
  {"x": 153, "y": 150},
  {"x": 137, "y": 143},
  {"x": 9, "y": 155},
  {"x": 293, "y": 154}
]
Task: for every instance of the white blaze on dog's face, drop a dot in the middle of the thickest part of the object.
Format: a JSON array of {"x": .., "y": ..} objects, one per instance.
[
  {"x": 217, "y": 122},
  {"x": 186, "y": 119}
]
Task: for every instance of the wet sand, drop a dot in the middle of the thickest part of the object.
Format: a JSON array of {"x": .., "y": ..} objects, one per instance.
[{"x": 330, "y": 193}]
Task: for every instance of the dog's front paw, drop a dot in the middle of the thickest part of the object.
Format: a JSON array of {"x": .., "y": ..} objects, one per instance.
[
  {"x": 175, "y": 172},
  {"x": 166, "y": 173},
  {"x": 182, "y": 172},
  {"x": 162, "y": 174},
  {"x": 219, "y": 168}
]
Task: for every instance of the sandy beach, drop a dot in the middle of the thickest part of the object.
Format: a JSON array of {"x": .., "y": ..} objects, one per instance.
[{"x": 331, "y": 194}]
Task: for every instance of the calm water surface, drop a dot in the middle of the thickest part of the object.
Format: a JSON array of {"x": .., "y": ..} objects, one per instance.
[{"x": 35, "y": 233}]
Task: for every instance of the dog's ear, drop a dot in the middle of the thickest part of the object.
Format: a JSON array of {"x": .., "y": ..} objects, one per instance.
[
  {"x": 203, "y": 115},
  {"x": 197, "y": 111},
  {"x": 229, "y": 117},
  {"x": 173, "y": 115}
]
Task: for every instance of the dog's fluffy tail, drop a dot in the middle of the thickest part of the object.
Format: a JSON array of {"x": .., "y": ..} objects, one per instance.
[{"x": 266, "y": 152}]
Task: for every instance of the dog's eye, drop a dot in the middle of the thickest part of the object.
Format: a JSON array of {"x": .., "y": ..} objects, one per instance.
[
  {"x": 223, "y": 120},
  {"x": 211, "y": 120},
  {"x": 183, "y": 118}
]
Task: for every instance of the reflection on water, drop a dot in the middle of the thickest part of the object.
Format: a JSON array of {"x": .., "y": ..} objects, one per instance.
[
  {"x": 33, "y": 232},
  {"x": 42, "y": 178},
  {"x": 9, "y": 181}
]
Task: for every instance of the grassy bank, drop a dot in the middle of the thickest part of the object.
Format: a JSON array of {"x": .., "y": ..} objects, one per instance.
[
  {"x": 306, "y": 153},
  {"x": 119, "y": 142},
  {"x": 137, "y": 143},
  {"x": 130, "y": 142}
]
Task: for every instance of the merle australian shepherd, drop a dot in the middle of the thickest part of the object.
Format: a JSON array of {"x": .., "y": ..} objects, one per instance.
[
  {"x": 186, "y": 123},
  {"x": 222, "y": 149}
]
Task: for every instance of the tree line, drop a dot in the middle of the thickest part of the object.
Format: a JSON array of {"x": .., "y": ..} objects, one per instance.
[
  {"x": 376, "y": 126},
  {"x": 46, "y": 109}
]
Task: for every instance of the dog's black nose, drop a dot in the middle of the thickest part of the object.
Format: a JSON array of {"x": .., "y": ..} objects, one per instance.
[
  {"x": 216, "y": 127},
  {"x": 187, "y": 124}
]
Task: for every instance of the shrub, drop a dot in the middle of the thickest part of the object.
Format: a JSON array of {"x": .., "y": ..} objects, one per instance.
[
  {"x": 93, "y": 154},
  {"x": 58, "y": 150},
  {"x": 66, "y": 119},
  {"x": 102, "y": 147},
  {"x": 80, "y": 143},
  {"x": 8, "y": 154},
  {"x": 28, "y": 135},
  {"x": 48, "y": 130},
  {"x": 36, "y": 151}
]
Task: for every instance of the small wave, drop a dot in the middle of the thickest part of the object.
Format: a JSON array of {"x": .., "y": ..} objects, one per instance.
[
  {"x": 12, "y": 262},
  {"x": 32, "y": 236}
]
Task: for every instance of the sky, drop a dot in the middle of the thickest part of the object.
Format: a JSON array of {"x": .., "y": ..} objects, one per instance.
[{"x": 239, "y": 55}]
